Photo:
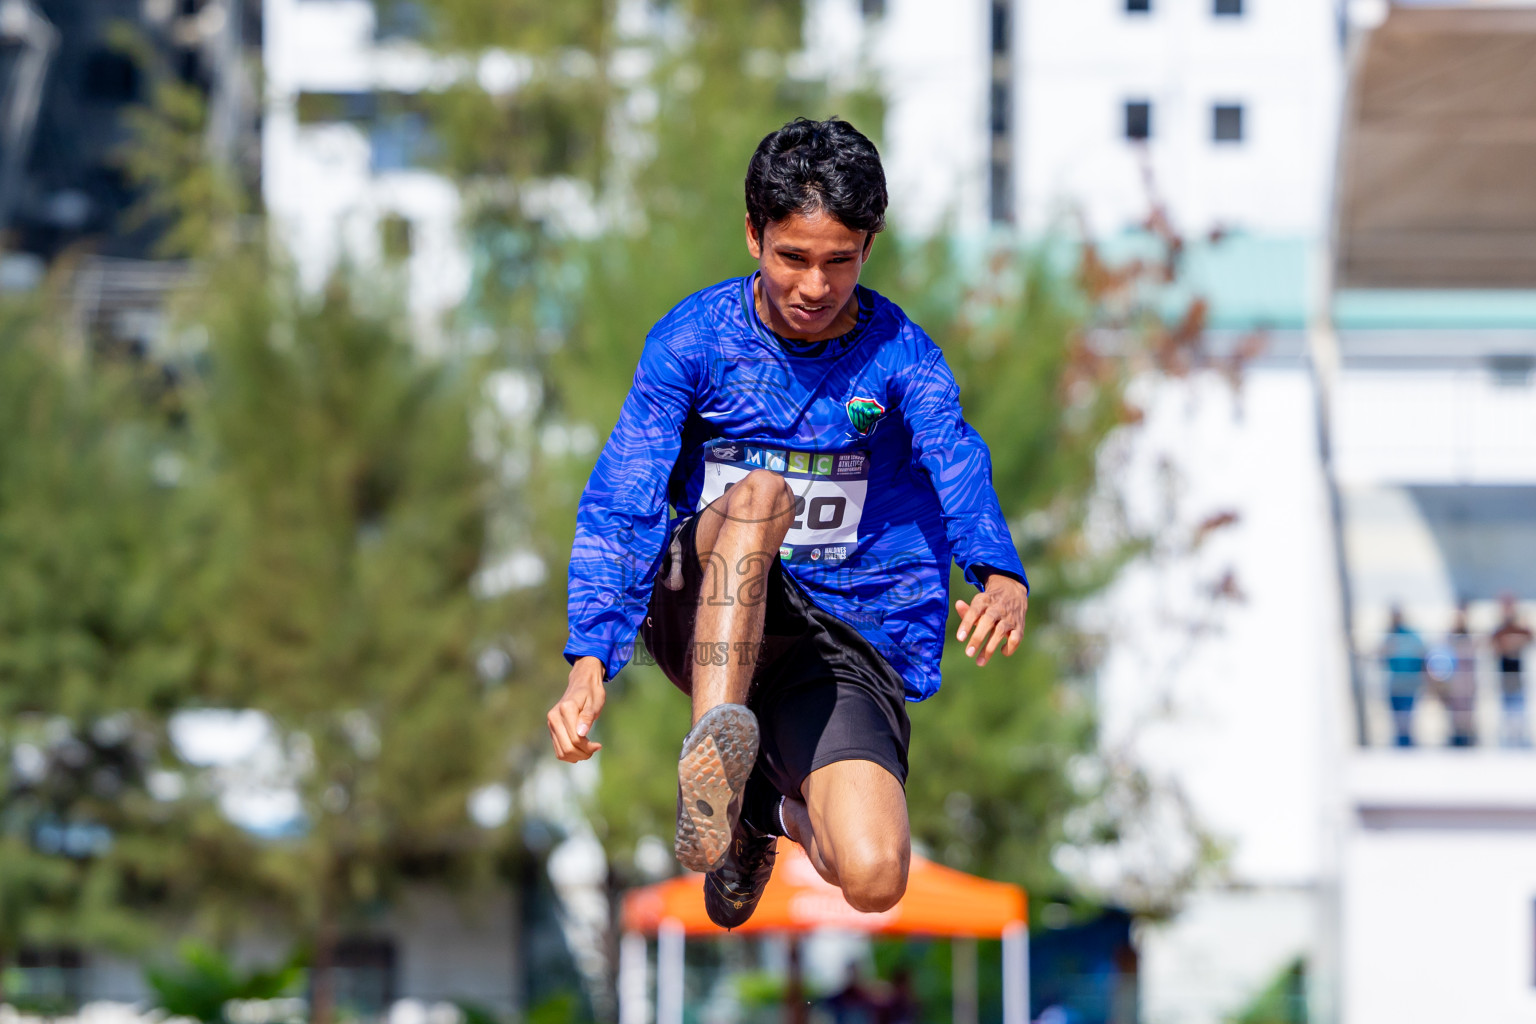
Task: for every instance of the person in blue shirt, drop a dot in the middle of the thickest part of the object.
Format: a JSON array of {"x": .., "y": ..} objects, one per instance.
[
  {"x": 810, "y": 439},
  {"x": 1403, "y": 656}
]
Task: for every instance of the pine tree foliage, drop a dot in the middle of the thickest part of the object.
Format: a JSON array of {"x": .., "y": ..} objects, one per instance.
[
  {"x": 346, "y": 515},
  {"x": 92, "y": 653},
  {"x": 345, "y": 493}
]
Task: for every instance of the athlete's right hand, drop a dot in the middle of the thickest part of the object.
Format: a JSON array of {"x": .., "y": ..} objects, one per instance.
[{"x": 572, "y": 717}]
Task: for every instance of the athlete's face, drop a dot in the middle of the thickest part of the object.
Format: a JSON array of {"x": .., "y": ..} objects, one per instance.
[{"x": 810, "y": 265}]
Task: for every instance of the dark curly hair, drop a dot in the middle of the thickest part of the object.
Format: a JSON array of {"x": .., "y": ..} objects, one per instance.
[{"x": 809, "y": 166}]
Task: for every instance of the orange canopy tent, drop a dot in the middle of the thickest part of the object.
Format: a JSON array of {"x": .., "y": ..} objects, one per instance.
[{"x": 939, "y": 901}]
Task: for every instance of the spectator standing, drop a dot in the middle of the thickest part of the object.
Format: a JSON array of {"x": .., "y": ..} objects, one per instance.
[
  {"x": 1402, "y": 656},
  {"x": 1453, "y": 667},
  {"x": 1510, "y": 640},
  {"x": 900, "y": 1006},
  {"x": 854, "y": 1003}
]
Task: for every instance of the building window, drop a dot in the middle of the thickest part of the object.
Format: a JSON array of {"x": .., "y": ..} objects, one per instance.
[
  {"x": 873, "y": 8},
  {"x": 1138, "y": 120},
  {"x": 110, "y": 77},
  {"x": 1512, "y": 371},
  {"x": 1227, "y": 122},
  {"x": 1000, "y": 121},
  {"x": 363, "y": 976},
  {"x": 1000, "y": 107},
  {"x": 333, "y": 107},
  {"x": 1138, "y": 6},
  {"x": 1229, "y": 8},
  {"x": 401, "y": 140},
  {"x": 401, "y": 19},
  {"x": 50, "y": 976},
  {"x": 395, "y": 237}
]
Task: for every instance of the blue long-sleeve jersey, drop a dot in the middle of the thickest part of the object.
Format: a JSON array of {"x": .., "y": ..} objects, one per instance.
[{"x": 890, "y": 481}]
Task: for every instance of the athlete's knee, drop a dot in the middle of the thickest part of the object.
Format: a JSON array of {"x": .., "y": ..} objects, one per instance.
[
  {"x": 762, "y": 497},
  {"x": 873, "y": 876}
]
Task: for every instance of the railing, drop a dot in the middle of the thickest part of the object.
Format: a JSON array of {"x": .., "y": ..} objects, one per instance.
[{"x": 1431, "y": 721}]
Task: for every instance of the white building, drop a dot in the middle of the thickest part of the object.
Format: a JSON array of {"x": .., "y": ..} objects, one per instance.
[
  {"x": 1224, "y": 113},
  {"x": 1434, "y": 444},
  {"x": 341, "y": 164},
  {"x": 1227, "y": 106},
  {"x": 1403, "y": 878}
]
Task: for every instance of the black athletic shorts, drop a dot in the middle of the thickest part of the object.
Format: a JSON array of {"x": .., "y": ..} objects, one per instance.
[{"x": 820, "y": 690}]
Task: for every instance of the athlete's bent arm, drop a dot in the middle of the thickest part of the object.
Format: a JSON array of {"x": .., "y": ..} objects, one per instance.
[
  {"x": 959, "y": 465},
  {"x": 620, "y": 531}
]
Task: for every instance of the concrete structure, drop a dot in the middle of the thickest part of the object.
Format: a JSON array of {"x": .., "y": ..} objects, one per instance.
[
  {"x": 1427, "y": 363},
  {"x": 1038, "y": 93},
  {"x": 1227, "y": 123},
  {"x": 1417, "y": 363},
  {"x": 428, "y": 947},
  {"x": 67, "y": 86},
  {"x": 1438, "y": 903},
  {"x": 341, "y": 175},
  {"x": 1236, "y": 113},
  {"x": 1045, "y": 118}
]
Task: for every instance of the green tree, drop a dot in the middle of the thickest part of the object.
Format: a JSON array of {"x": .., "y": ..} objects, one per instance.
[
  {"x": 206, "y": 982},
  {"x": 92, "y": 658},
  {"x": 345, "y": 493},
  {"x": 346, "y": 514},
  {"x": 1283, "y": 1000}
]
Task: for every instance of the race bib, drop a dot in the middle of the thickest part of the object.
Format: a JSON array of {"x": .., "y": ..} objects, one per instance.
[{"x": 829, "y": 488}]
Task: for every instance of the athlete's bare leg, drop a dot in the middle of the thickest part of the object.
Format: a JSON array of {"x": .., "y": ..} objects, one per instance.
[
  {"x": 853, "y": 826},
  {"x": 737, "y": 539}
]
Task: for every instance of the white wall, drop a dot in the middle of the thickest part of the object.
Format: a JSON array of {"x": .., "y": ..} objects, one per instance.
[
  {"x": 1439, "y": 895},
  {"x": 933, "y": 58},
  {"x": 1081, "y": 61},
  {"x": 1439, "y": 927},
  {"x": 1223, "y": 949},
  {"x": 1230, "y": 704},
  {"x": 317, "y": 181},
  {"x": 452, "y": 949},
  {"x": 1234, "y": 712},
  {"x": 1434, "y": 425}
]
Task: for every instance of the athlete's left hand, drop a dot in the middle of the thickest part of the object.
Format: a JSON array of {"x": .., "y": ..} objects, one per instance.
[{"x": 995, "y": 617}]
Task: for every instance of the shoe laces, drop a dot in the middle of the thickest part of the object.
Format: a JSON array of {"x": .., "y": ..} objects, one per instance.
[{"x": 752, "y": 852}]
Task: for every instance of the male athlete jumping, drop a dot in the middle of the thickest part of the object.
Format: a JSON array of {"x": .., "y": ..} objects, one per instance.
[{"x": 810, "y": 438}]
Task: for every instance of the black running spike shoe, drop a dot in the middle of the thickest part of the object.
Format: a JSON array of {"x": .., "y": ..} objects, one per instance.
[
  {"x": 731, "y": 891},
  {"x": 718, "y": 755}
]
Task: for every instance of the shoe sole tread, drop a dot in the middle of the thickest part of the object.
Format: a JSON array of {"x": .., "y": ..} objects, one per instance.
[{"x": 718, "y": 755}]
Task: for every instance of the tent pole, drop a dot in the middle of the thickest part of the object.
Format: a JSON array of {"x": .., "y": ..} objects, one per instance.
[
  {"x": 633, "y": 968},
  {"x": 794, "y": 987},
  {"x": 962, "y": 971},
  {"x": 1016, "y": 974},
  {"x": 669, "y": 972}
]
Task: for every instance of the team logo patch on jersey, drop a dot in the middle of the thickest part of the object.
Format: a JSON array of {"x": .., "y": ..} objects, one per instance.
[{"x": 864, "y": 413}]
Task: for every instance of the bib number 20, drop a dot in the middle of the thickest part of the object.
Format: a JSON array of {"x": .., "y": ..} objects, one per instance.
[{"x": 825, "y": 513}]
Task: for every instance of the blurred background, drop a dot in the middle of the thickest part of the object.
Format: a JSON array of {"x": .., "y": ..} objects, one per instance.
[{"x": 314, "y": 314}]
